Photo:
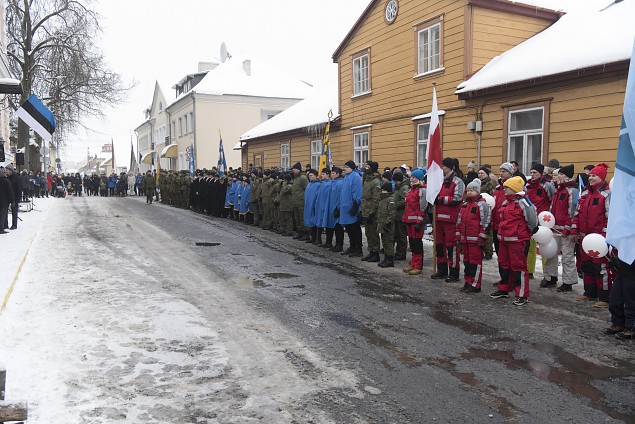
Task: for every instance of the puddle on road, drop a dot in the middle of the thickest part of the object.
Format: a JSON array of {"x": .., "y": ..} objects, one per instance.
[
  {"x": 279, "y": 275},
  {"x": 260, "y": 284}
]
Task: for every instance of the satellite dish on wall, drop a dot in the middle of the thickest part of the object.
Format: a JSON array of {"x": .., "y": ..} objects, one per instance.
[{"x": 224, "y": 54}]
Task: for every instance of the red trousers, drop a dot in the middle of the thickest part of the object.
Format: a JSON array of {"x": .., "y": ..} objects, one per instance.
[
  {"x": 473, "y": 262},
  {"x": 416, "y": 244},
  {"x": 512, "y": 264},
  {"x": 446, "y": 243},
  {"x": 598, "y": 278}
]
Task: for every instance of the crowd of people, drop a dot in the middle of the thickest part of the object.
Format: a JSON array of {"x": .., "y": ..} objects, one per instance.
[{"x": 324, "y": 207}]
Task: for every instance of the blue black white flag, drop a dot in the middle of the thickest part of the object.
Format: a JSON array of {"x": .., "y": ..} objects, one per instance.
[
  {"x": 37, "y": 116},
  {"x": 222, "y": 162},
  {"x": 621, "y": 232},
  {"x": 192, "y": 163}
]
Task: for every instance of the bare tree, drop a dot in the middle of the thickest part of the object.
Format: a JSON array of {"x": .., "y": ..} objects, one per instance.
[{"x": 51, "y": 45}]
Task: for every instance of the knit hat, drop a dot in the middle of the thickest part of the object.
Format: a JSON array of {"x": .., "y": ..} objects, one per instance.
[
  {"x": 475, "y": 185},
  {"x": 538, "y": 167},
  {"x": 386, "y": 187},
  {"x": 298, "y": 166},
  {"x": 418, "y": 174},
  {"x": 600, "y": 170},
  {"x": 553, "y": 163},
  {"x": 567, "y": 170},
  {"x": 287, "y": 177},
  {"x": 398, "y": 176},
  {"x": 507, "y": 166},
  {"x": 485, "y": 169},
  {"x": 515, "y": 183},
  {"x": 470, "y": 165},
  {"x": 351, "y": 164},
  {"x": 372, "y": 165},
  {"x": 449, "y": 162},
  {"x": 336, "y": 169},
  {"x": 387, "y": 175},
  {"x": 9, "y": 167}
]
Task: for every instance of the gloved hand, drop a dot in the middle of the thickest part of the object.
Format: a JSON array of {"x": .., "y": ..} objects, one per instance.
[
  {"x": 370, "y": 219},
  {"x": 354, "y": 209},
  {"x": 388, "y": 227},
  {"x": 417, "y": 227},
  {"x": 336, "y": 212}
]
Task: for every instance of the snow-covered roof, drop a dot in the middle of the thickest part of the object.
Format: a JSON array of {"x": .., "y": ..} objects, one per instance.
[
  {"x": 250, "y": 78},
  {"x": 581, "y": 39},
  {"x": 311, "y": 111}
]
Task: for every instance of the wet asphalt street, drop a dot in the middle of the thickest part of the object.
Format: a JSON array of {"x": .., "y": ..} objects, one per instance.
[{"x": 420, "y": 350}]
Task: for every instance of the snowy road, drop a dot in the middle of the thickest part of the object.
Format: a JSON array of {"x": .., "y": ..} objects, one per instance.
[{"x": 118, "y": 316}]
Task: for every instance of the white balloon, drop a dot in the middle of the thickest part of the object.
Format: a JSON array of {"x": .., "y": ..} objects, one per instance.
[
  {"x": 489, "y": 199},
  {"x": 611, "y": 183},
  {"x": 546, "y": 219},
  {"x": 550, "y": 249},
  {"x": 543, "y": 235},
  {"x": 595, "y": 245}
]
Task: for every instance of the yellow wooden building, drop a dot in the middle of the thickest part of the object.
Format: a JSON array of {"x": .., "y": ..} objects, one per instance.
[{"x": 399, "y": 49}]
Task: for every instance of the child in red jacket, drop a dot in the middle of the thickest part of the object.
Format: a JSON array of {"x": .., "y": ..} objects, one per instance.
[{"x": 472, "y": 228}]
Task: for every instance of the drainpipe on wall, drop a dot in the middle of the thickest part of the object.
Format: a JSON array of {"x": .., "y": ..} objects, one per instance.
[{"x": 194, "y": 127}]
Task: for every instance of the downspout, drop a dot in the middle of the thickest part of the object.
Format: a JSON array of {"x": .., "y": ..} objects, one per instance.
[
  {"x": 195, "y": 150},
  {"x": 169, "y": 125}
]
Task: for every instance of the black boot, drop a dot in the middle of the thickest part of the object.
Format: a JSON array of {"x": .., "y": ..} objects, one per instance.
[
  {"x": 454, "y": 275},
  {"x": 374, "y": 258},
  {"x": 327, "y": 245},
  {"x": 337, "y": 248},
  {"x": 552, "y": 282},
  {"x": 367, "y": 257},
  {"x": 442, "y": 272},
  {"x": 400, "y": 257},
  {"x": 387, "y": 262},
  {"x": 347, "y": 251},
  {"x": 356, "y": 252}
]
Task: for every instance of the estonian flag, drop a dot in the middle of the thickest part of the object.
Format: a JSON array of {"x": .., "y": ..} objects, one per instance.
[{"x": 38, "y": 117}]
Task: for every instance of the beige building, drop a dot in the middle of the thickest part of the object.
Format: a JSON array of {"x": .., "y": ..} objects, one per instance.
[
  {"x": 224, "y": 99},
  {"x": 152, "y": 134}
]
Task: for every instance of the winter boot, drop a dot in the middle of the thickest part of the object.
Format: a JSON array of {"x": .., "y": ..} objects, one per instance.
[
  {"x": 356, "y": 253},
  {"x": 400, "y": 257},
  {"x": 374, "y": 258},
  {"x": 367, "y": 257},
  {"x": 454, "y": 275},
  {"x": 337, "y": 248},
  {"x": 442, "y": 272},
  {"x": 551, "y": 282},
  {"x": 387, "y": 262}
]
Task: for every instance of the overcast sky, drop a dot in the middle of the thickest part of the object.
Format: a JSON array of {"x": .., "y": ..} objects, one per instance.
[{"x": 150, "y": 40}]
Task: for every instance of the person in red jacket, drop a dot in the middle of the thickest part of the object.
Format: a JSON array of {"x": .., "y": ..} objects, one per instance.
[
  {"x": 414, "y": 216},
  {"x": 505, "y": 172},
  {"x": 540, "y": 192},
  {"x": 563, "y": 206},
  {"x": 446, "y": 212},
  {"x": 517, "y": 221},
  {"x": 472, "y": 228},
  {"x": 592, "y": 217}
]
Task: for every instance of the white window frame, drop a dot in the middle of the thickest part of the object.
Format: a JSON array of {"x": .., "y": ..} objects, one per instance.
[
  {"x": 361, "y": 74},
  {"x": 422, "y": 162},
  {"x": 173, "y": 130},
  {"x": 361, "y": 144},
  {"x": 285, "y": 155},
  {"x": 525, "y": 163},
  {"x": 191, "y": 120},
  {"x": 425, "y": 60},
  {"x": 180, "y": 126},
  {"x": 316, "y": 152}
]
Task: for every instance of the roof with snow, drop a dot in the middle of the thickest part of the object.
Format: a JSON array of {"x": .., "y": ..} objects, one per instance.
[
  {"x": 581, "y": 39},
  {"x": 309, "y": 112},
  {"x": 250, "y": 78}
]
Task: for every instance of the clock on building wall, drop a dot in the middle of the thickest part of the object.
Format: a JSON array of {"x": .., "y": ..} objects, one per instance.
[{"x": 390, "y": 13}]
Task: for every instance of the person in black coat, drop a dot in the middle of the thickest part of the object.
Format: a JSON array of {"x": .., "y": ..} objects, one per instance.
[
  {"x": 6, "y": 198},
  {"x": 16, "y": 186}
]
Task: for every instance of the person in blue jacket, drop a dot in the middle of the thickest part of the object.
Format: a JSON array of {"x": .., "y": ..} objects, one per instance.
[
  {"x": 237, "y": 197},
  {"x": 330, "y": 221},
  {"x": 310, "y": 205},
  {"x": 322, "y": 211},
  {"x": 229, "y": 196},
  {"x": 245, "y": 206},
  {"x": 112, "y": 184},
  {"x": 349, "y": 209}
]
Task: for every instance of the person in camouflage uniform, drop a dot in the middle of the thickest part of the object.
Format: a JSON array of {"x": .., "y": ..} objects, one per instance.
[
  {"x": 149, "y": 186},
  {"x": 267, "y": 206},
  {"x": 286, "y": 206},
  {"x": 399, "y": 194},
  {"x": 386, "y": 211},
  {"x": 371, "y": 193},
  {"x": 300, "y": 181},
  {"x": 255, "y": 194}
]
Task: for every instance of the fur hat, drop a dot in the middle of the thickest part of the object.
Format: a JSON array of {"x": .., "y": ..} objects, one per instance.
[
  {"x": 553, "y": 163},
  {"x": 351, "y": 164},
  {"x": 449, "y": 162},
  {"x": 515, "y": 183},
  {"x": 298, "y": 166},
  {"x": 418, "y": 174},
  {"x": 600, "y": 170},
  {"x": 386, "y": 187},
  {"x": 567, "y": 170},
  {"x": 507, "y": 166},
  {"x": 538, "y": 167},
  {"x": 475, "y": 185}
]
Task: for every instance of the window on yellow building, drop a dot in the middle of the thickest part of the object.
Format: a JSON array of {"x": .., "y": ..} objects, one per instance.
[
  {"x": 423, "y": 135},
  {"x": 429, "y": 47},
  {"x": 284, "y": 156},
  {"x": 316, "y": 152},
  {"x": 360, "y": 148},
  {"x": 525, "y": 137},
  {"x": 361, "y": 74}
]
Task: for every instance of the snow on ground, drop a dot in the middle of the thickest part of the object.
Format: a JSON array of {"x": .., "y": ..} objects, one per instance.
[{"x": 92, "y": 335}]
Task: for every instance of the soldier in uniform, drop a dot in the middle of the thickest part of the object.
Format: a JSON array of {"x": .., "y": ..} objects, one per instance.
[
  {"x": 274, "y": 195},
  {"x": 386, "y": 211},
  {"x": 300, "y": 181},
  {"x": 399, "y": 194},
  {"x": 149, "y": 186},
  {"x": 267, "y": 185},
  {"x": 286, "y": 206},
  {"x": 254, "y": 195},
  {"x": 371, "y": 193}
]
